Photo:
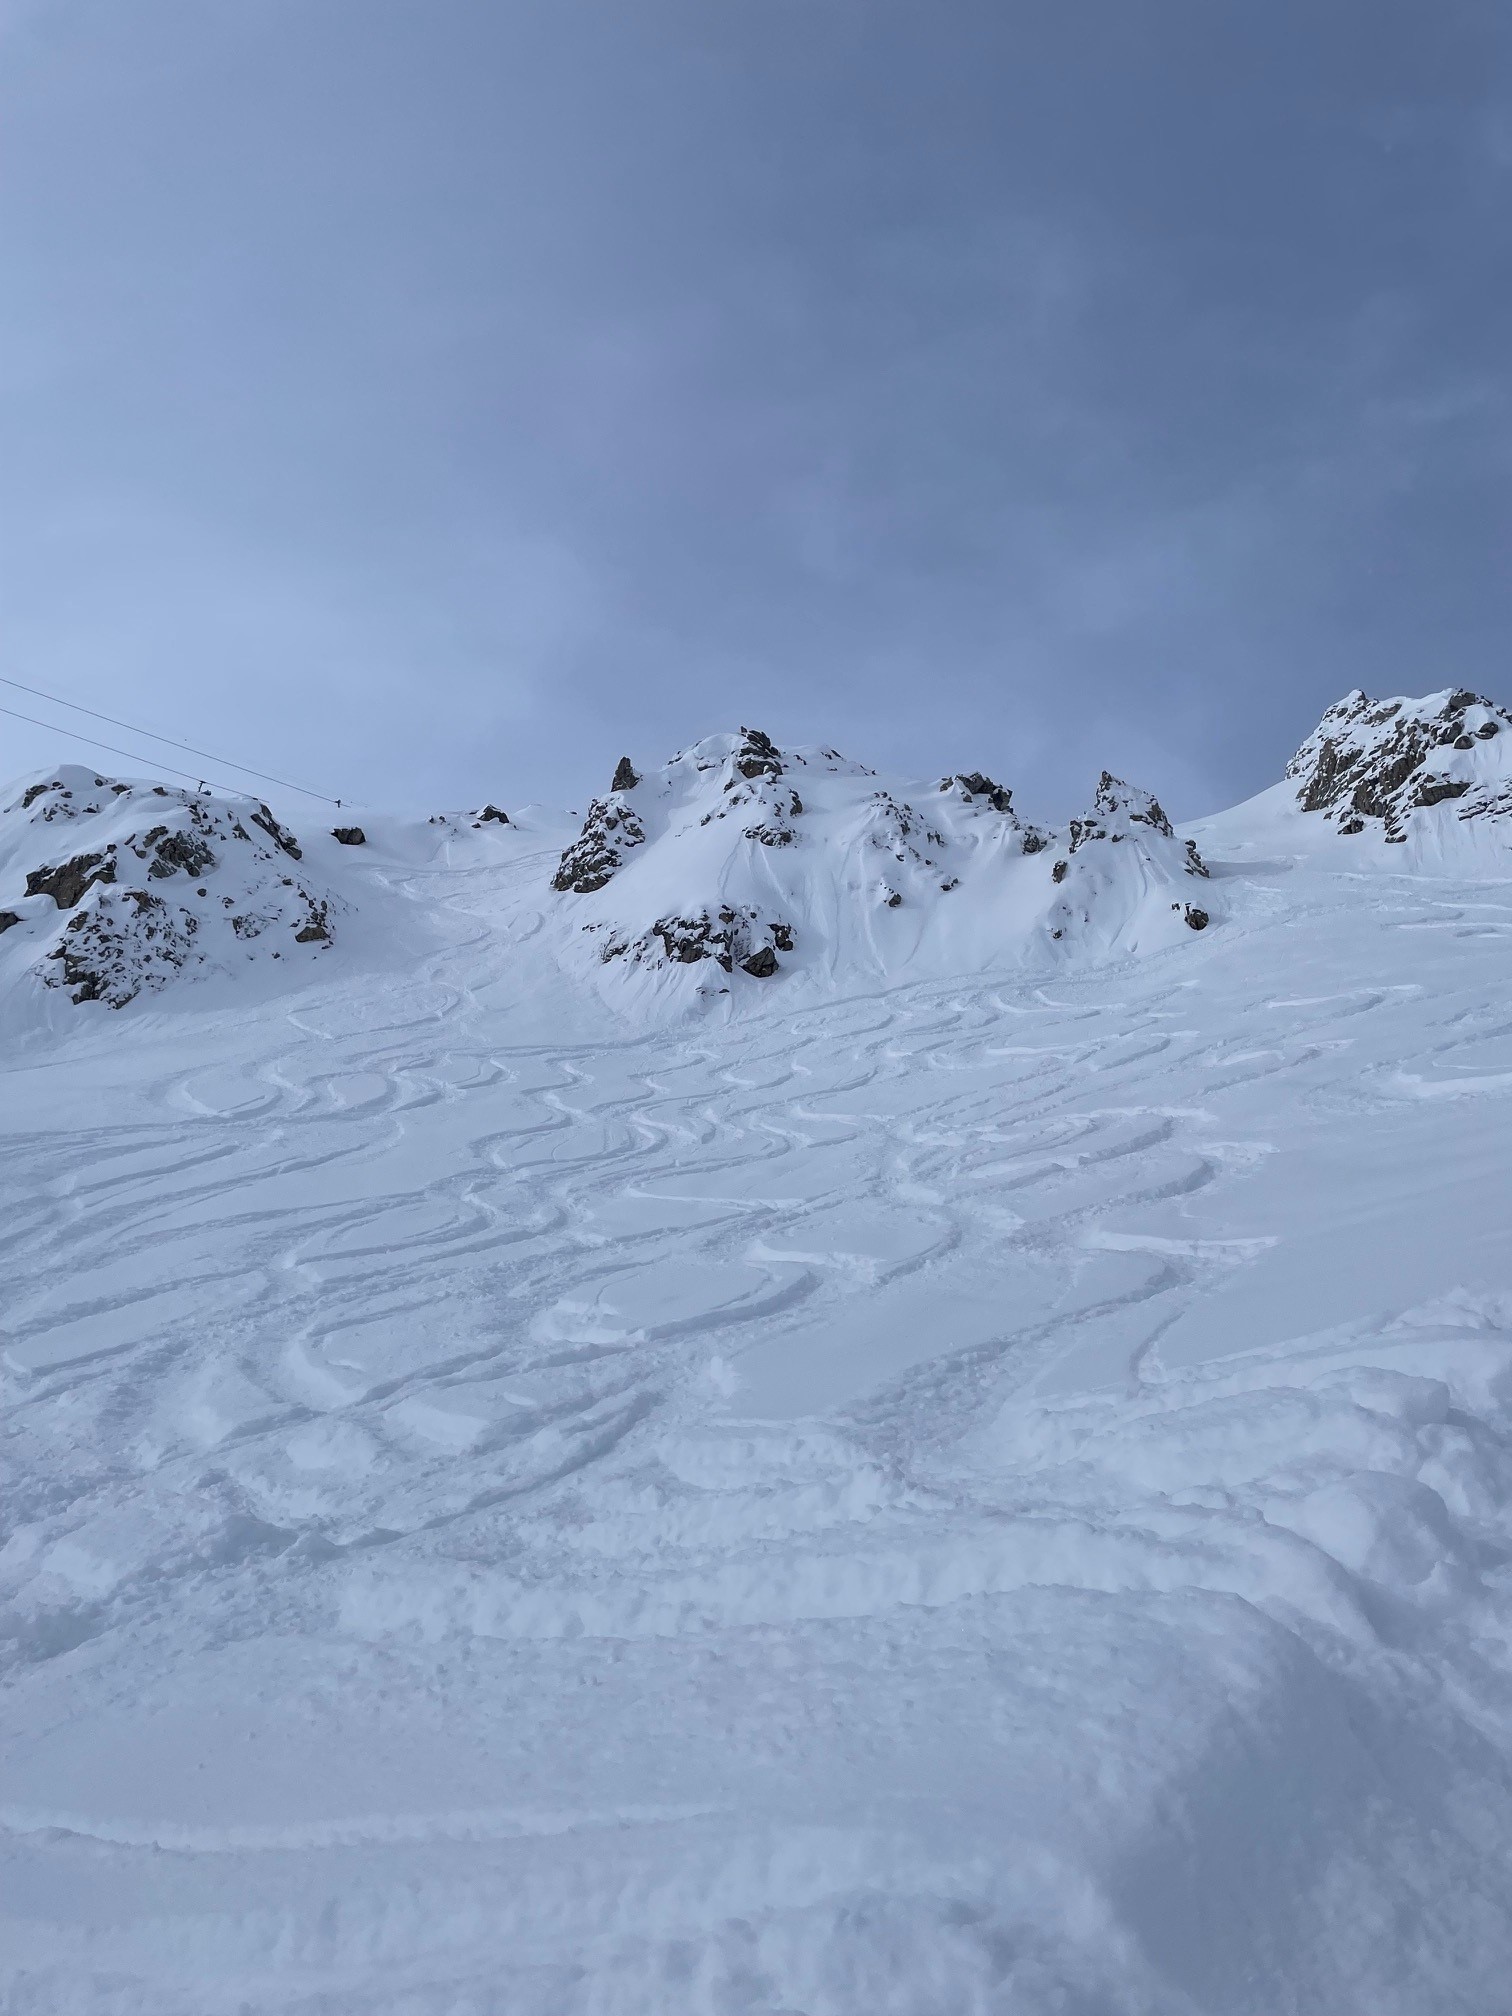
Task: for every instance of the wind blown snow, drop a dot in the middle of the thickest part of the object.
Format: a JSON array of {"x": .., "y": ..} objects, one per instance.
[{"x": 850, "y": 1456}]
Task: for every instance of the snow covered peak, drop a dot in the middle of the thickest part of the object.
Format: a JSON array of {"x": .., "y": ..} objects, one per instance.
[
  {"x": 738, "y": 861},
  {"x": 1420, "y": 768},
  {"x": 109, "y": 890},
  {"x": 1099, "y": 884},
  {"x": 1117, "y": 808}
]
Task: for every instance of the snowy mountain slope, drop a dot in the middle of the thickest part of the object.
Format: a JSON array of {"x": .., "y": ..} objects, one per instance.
[
  {"x": 985, "y": 1492},
  {"x": 739, "y": 862},
  {"x": 991, "y": 1494}
]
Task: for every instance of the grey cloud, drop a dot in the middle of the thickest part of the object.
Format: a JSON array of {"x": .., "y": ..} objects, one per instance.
[{"x": 486, "y": 390}]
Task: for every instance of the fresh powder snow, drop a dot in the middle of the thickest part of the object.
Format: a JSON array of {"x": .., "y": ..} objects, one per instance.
[{"x": 793, "y": 1396}]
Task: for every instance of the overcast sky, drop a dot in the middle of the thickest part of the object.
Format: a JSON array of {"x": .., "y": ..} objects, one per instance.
[{"x": 431, "y": 399}]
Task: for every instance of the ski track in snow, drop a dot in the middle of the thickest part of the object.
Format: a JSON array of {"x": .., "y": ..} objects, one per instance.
[{"x": 991, "y": 1496}]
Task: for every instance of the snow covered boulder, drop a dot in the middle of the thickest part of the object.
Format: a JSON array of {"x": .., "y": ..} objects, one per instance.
[
  {"x": 1410, "y": 770},
  {"x": 155, "y": 883}
]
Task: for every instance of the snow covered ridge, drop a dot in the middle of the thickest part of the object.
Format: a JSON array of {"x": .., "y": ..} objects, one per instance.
[
  {"x": 111, "y": 890},
  {"x": 738, "y": 858},
  {"x": 737, "y": 865},
  {"x": 1407, "y": 768}
]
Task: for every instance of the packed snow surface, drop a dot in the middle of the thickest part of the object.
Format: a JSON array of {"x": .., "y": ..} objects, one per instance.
[{"x": 911, "y": 1490}]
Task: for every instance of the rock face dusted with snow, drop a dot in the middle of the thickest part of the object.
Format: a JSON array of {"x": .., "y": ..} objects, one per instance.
[
  {"x": 1408, "y": 768},
  {"x": 740, "y": 861},
  {"x": 1096, "y": 882},
  {"x": 111, "y": 890}
]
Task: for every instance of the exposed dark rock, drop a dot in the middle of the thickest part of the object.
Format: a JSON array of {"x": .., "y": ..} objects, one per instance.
[
  {"x": 758, "y": 755},
  {"x": 732, "y": 938},
  {"x": 277, "y": 834},
  {"x": 976, "y": 785},
  {"x": 66, "y": 885},
  {"x": 7, "y": 918},
  {"x": 1434, "y": 790},
  {"x": 317, "y": 930},
  {"x": 1058, "y": 872},
  {"x": 609, "y": 831},
  {"x": 489, "y": 816},
  {"x": 625, "y": 778},
  {"x": 771, "y": 836},
  {"x": 180, "y": 850},
  {"x": 1371, "y": 760},
  {"x": 1197, "y": 918},
  {"x": 353, "y": 836},
  {"x": 1035, "y": 842},
  {"x": 687, "y": 940},
  {"x": 34, "y": 791},
  {"x": 894, "y": 900}
]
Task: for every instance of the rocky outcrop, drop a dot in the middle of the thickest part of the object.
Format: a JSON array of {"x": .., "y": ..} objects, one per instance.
[
  {"x": 131, "y": 942},
  {"x": 174, "y": 852},
  {"x": 729, "y": 937},
  {"x": 66, "y": 884},
  {"x": 973, "y": 784},
  {"x": 974, "y": 788},
  {"x": 353, "y": 836},
  {"x": 1119, "y": 812},
  {"x": 1114, "y": 864},
  {"x": 1379, "y": 762},
  {"x": 740, "y": 858},
  {"x": 610, "y": 830},
  {"x": 758, "y": 755},
  {"x": 277, "y": 834},
  {"x": 164, "y": 882}
]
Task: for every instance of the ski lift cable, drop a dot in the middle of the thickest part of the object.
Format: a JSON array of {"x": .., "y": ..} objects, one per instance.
[
  {"x": 132, "y": 755},
  {"x": 151, "y": 735}
]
